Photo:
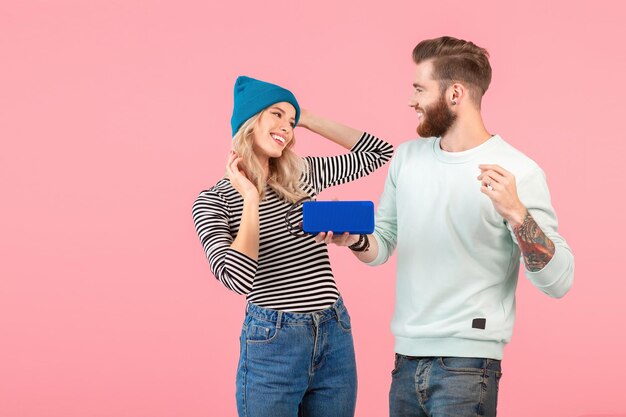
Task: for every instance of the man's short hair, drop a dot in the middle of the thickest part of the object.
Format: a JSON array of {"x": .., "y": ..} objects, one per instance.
[{"x": 456, "y": 60}]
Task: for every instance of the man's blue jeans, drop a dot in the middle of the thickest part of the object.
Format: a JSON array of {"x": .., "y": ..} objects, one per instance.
[
  {"x": 295, "y": 364},
  {"x": 444, "y": 387}
]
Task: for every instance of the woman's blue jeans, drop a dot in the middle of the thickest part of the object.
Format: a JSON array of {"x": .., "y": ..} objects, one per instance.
[
  {"x": 444, "y": 387},
  {"x": 296, "y": 364}
]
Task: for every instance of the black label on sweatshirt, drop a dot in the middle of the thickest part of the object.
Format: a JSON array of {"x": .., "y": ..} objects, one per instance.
[{"x": 479, "y": 323}]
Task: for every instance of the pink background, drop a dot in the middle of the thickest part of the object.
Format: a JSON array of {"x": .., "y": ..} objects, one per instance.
[{"x": 115, "y": 114}]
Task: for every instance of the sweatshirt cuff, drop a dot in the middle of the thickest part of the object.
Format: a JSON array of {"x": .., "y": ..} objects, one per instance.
[
  {"x": 382, "y": 255},
  {"x": 555, "y": 279}
]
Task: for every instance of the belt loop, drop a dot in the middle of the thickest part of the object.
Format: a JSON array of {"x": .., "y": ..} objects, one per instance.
[{"x": 278, "y": 319}]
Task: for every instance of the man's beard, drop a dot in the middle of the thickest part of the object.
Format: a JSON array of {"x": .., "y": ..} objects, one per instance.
[{"x": 437, "y": 119}]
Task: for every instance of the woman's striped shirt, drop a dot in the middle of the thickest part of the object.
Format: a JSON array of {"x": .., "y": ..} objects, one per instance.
[{"x": 292, "y": 273}]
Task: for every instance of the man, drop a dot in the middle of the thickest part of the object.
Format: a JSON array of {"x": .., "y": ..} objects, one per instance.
[{"x": 460, "y": 206}]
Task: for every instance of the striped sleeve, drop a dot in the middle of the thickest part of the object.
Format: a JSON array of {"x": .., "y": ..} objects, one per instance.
[
  {"x": 232, "y": 268},
  {"x": 366, "y": 156}
]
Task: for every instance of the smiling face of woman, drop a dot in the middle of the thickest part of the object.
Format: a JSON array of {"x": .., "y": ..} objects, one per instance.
[{"x": 274, "y": 131}]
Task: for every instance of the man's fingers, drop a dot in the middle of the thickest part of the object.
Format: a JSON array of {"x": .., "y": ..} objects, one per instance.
[
  {"x": 492, "y": 179},
  {"x": 486, "y": 180},
  {"x": 496, "y": 168},
  {"x": 493, "y": 175},
  {"x": 487, "y": 191}
]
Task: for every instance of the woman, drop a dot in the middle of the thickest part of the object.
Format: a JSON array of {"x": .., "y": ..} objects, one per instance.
[{"x": 297, "y": 354}]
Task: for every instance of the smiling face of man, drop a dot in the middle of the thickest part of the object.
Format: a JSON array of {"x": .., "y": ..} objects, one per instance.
[{"x": 435, "y": 116}]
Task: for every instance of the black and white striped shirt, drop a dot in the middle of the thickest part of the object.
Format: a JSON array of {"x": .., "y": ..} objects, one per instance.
[{"x": 292, "y": 273}]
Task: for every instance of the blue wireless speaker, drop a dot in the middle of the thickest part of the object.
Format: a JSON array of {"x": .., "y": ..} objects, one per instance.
[{"x": 354, "y": 217}]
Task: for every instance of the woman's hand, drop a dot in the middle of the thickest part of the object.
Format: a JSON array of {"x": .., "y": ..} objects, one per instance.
[
  {"x": 335, "y": 132},
  {"x": 238, "y": 178},
  {"x": 345, "y": 239},
  {"x": 305, "y": 118}
]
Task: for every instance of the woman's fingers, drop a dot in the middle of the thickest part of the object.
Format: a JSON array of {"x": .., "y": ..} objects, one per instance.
[
  {"x": 320, "y": 237},
  {"x": 329, "y": 237},
  {"x": 231, "y": 157},
  {"x": 233, "y": 165}
]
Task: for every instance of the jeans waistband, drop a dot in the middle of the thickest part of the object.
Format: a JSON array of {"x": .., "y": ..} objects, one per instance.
[
  {"x": 487, "y": 363},
  {"x": 279, "y": 317}
]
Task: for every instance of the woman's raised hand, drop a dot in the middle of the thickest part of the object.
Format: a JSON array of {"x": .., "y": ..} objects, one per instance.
[
  {"x": 238, "y": 178},
  {"x": 305, "y": 118}
]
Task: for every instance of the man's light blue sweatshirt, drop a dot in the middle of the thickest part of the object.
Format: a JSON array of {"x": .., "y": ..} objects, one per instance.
[{"x": 457, "y": 259}]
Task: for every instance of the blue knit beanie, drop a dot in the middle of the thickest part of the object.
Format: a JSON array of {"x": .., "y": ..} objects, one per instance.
[{"x": 252, "y": 96}]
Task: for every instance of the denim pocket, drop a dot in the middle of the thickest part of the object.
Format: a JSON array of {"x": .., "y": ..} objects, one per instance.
[
  {"x": 457, "y": 364},
  {"x": 343, "y": 320},
  {"x": 396, "y": 364},
  {"x": 260, "y": 331}
]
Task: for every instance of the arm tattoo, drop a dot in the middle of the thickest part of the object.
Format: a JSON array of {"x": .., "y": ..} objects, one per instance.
[{"x": 536, "y": 248}]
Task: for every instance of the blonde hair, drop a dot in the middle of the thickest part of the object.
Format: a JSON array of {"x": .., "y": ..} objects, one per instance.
[{"x": 284, "y": 172}]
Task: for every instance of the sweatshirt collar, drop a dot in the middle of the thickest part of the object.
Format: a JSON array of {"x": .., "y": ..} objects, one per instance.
[{"x": 463, "y": 156}]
